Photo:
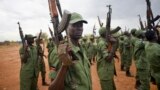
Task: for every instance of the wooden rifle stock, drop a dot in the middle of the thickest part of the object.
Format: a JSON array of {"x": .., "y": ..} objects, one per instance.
[
  {"x": 58, "y": 82},
  {"x": 141, "y": 23},
  {"x": 22, "y": 35},
  {"x": 54, "y": 19}
]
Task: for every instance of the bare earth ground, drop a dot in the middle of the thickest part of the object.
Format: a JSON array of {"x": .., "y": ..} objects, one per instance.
[{"x": 10, "y": 67}]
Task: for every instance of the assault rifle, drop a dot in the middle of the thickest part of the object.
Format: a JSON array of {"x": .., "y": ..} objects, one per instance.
[
  {"x": 58, "y": 82},
  {"x": 55, "y": 19},
  {"x": 108, "y": 22},
  {"x": 151, "y": 19},
  {"x": 100, "y": 23},
  {"x": 141, "y": 23},
  {"x": 94, "y": 28},
  {"x": 24, "y": 42},
  {"x": 112, "y": 42}
]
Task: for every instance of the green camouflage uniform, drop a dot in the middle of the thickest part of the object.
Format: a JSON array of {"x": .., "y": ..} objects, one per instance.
[
  {"x": 104, "y": 67},
  {"x": 142, "y": 65},
  {"x": 84, "y": 44},
  {"x": 127, "y": 53},
  {"x": 153, "y": 55},
  {"x": 53, "y": 62},
  {"x": 91, "y": 50},
  {"x": 41, "y": 62},
  {"x": 29, "y": 70},
  {"x": 121, "y": 48},
  {"x": 78, "y": 75},
  {"x": 50, "y": 46}
]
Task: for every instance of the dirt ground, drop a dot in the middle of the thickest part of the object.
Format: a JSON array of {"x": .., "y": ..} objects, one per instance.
[{"x": 10, "y": 67}]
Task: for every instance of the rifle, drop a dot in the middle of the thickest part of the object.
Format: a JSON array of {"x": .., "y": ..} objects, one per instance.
[
  {"x": 100, "y": 23},
  {"x": 151, "y": 19},
  {"x": 140, "y": 22},
  {"x": 51, "y": 33},
  {"x": 59, "y": 7},
  {"x": 112, "y": 42},
  {"x": 38, "y": 39},
  {"x": 94, "y": 28},
  {"x": 39, "y": 36},
  {"x": 108, "y": 23},
  {"x": 24, "y": 42},
  {"x": 58, "y": 82},
  {"x": 54, "y": 19}
]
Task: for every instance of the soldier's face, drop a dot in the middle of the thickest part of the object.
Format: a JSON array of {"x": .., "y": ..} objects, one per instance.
[
  {"x": 75, "y": 30},
  {"x": 30, "y": 40}
]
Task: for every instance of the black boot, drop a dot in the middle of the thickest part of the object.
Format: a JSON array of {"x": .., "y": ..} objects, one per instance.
[
  {"x": 44, "y": 82},
  {"x": 137, "y": 84},
  {"x": 122, "y": 68},
  {"x": 153, "y": 80},
  {"x": 128, "y": 74}
]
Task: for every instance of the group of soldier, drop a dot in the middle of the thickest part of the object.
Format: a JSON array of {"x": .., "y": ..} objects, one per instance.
[
  {"x": 70, "y": 60},
  {"x": 143, "y": 47}
]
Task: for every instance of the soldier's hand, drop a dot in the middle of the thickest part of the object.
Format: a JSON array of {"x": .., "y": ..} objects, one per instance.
[
  {"x": 112, "y": 39},
  {"x": 64, "y": 55},
  {"x": 110, "y": 57},
  {"x": 44, "y": 55},
  {"x": 66, "y": 60}
]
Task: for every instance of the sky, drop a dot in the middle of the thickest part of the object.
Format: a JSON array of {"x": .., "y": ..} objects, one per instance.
[{"x": 33, "y": 15}]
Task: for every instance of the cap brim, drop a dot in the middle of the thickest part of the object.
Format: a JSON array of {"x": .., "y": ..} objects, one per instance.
[
  {"x": 33, "y": 37},
  {"x": 78, "y": 20}
]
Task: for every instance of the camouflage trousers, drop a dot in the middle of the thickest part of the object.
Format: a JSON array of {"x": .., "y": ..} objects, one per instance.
[
  {"x": 42, "y": 69},
  {"x": 156, "y": 75},
  {"x": 144, "y": 78},
  {"x": 122, "y": 59},
  {"x": 27, "y": 82}
]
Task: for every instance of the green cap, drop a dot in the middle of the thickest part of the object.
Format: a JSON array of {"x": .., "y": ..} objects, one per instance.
[
  {"x": 29, "y": 36},
  {"x": 102, "y": 30},
  {"x": 75, "y": 17},
  {"x": 91, "y": 37},
  {"x": 139, "y": 33},
  {"x": 133, "y": 31}
]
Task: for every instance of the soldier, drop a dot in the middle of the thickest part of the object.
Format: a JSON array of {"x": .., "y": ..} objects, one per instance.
[
  {"x": 50, "y": 45},
  {"x": 133, "y": 40},
  {"x": 127, "y": 53},
  {"x": 153, "y": 55},
  {"x": 142, "y": 64},
  {"x": 42, "y": 68},
  {"x": 29, "y": 66},
  {"x": 121, "y": 48},
  {"x": 105, "y": 62},
  {"x": 53, "y": 60},
  {"x": 77, "y": 76},
  {"x": 91, "y": 50},
  {"x": 84, "y": 43}
]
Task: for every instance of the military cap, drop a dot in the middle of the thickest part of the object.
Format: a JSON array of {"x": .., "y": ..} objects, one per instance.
[
  {"x": 91, "y": 37},
  {"x": 121, "y": 38},
  {"x": 75, "y": 17},
  {"x": 29, "y": 36},
  {"x": 139, "y": 33},
  {"x": 133, "y": 31}
]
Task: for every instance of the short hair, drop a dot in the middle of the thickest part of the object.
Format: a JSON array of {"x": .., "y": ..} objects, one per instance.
[{"x": 150, "y": 35}]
